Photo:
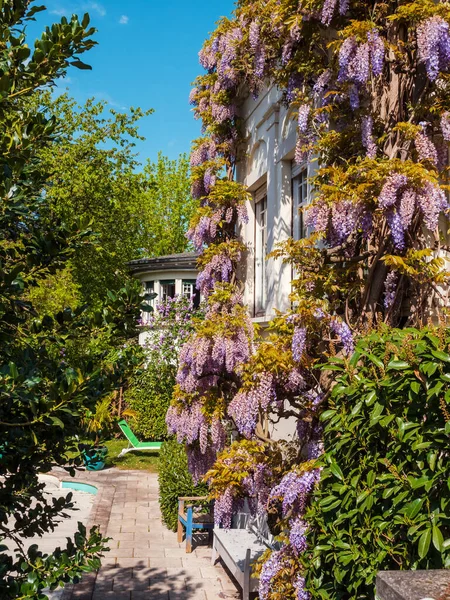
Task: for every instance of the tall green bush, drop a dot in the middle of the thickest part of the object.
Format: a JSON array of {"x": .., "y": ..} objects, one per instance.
[
  {"x": 148, "y": 397},
  {"x": 384, "y": 499},
  {"x": 174, "y": 481}
]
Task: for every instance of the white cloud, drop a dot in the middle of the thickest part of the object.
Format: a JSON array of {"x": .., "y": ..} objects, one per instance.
[
  {"x": 61, "y": 12},
  {"x": 76, "y": 7},
  {"x": 124, "y": 20},
  {"x": 96, "y": 7}
]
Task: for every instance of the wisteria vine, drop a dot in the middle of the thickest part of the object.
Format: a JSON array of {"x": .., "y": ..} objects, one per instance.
[{"x": 369, "y": 85}]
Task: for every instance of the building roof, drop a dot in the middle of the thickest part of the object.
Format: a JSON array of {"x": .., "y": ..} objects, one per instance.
[{"x": 186, "y": 261}]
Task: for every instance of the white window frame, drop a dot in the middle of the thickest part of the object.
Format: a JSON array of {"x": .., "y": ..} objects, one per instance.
[
  {"x": 188, "y": 288},
  {"x": 162, "y": 286},
  {"x": 300, "y": 199},
  {"x": 149, "y": 287},
  {"x": 260, "y": 264}
]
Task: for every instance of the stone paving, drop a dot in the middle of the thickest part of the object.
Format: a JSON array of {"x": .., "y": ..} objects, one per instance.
[{"x": 144, "y": 562}]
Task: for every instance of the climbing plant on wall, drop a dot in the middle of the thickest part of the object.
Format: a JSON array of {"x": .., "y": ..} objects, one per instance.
[{"x": 369, "y": 84}]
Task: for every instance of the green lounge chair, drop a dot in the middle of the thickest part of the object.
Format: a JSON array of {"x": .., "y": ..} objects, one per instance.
[{"x": 134, "y": 443}]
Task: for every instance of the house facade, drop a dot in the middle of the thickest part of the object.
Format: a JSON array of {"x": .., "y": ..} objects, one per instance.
[
  {"x": 279, "y": 188},
  {"x": 165, "y": 277}
]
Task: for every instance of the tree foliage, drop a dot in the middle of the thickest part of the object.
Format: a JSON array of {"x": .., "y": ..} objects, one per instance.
[
  {"x": 168, "y": 206},
  {"x": 94, "y": 177},
  {"x": 45, "y": 386}
]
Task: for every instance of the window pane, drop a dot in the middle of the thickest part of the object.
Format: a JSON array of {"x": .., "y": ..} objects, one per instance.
[
  {"x": 167, "y": 289},
  {"x": 260, "y": 255},
  {"x": 300, "y": 200}
]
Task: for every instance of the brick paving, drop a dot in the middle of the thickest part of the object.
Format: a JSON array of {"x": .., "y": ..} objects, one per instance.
[{"x": 144, "y": 562}]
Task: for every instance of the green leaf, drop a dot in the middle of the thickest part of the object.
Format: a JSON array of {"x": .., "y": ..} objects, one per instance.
[
  {"x": 81, "y": 65},
  {"x": 438, "y": 538},
  {"x": 376, "y": 361},
  {"x": 398, "y": 365},
  {"x": 413, "y": 508},
  {"x": 441, "y": 355},
  {"x": 327, "y": 415},
  {"x": 424, "y": 543},
  {"x": 335, "y": 469}
]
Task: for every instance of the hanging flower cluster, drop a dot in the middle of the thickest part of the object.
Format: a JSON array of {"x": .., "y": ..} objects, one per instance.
[
  {"x": 433, "y": 40},
  {"x": 245, "y": 407},
  {"x": 400, "y": 202},
  {"x": 245, "y": 470},
  {"x": 357, "y": 61}
]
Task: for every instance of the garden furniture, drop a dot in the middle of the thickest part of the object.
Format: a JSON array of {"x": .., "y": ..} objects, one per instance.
[
  {"x": 134, "y": 443},
  {"x": 189, "y": 519},
  {"x": 239, "y": 549}
]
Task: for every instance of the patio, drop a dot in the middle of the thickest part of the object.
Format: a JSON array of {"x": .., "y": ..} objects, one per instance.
[{"x": 144, "y": 561}]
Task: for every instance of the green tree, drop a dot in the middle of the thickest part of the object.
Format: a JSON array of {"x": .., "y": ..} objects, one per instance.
[
  {"x": 94, "y": 175},
  {"x": 168, "y": 206},
  {"x": 45, "y": 387}
]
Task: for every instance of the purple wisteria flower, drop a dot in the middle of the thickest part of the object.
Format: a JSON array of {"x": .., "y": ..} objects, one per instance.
[
  {"x": 407, "y": 207},
  {"x": 445, "y": 125},
  {"x": 298, "y": 343},
  {"x": 245, "y": 407},
  {"x": 397, "y": 232},
  {"x": 294, "y": 489},
  {"x": 303, "y": 116},
  {"x": 432, "y": 201},
  {"x": 254, "y": 35},
  {"x": 344, "y": 220},
  {"x": 347, "y": 53},
  {"x": 328, "y": 9},
  {"x": 299, "y": 585},
  {"x": 343, "y": 332},
  {"x": 297, "y": 535},
  {"x": 223, "y": 509},
  {"x": 367, "y": 136},
  {"x": 270, "y": 569},
  {"x": 433, "y": 41},
  {"x": 376, "y": 47},
  {"x": 318, "y": 216},
  {"x": 389, "y": 192},
  {"x": 426, "y": 150},
  {"x": 390, "y": 289}
]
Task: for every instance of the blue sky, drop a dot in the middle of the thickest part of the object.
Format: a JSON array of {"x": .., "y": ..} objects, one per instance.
[{"x": 147, "y": 56}]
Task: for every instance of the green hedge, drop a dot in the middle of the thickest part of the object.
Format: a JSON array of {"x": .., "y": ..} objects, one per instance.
[
  {"x": 174, "y": 481},
  {"x": 148, "y": 396},
  {"x": 384, "y": 498}
]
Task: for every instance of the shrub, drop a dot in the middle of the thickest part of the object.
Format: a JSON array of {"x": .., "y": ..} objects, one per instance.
[
  {"x": 174, "y": 481},
  {"x": 384, "y": 500},
  {"x": 149, "y": 397}
]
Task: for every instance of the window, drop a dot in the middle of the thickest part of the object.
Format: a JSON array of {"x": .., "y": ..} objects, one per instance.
[
  {"x": 167, "y": 289},
  {"x": 189, "y": 289},
  {"x": 260, "y": 252},
  {"x": 149, "y": 300},
  {"x": 300, "y": 200}
]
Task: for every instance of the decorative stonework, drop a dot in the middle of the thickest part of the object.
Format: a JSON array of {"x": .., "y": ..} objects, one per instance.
[{"x": 413, "y": 585}]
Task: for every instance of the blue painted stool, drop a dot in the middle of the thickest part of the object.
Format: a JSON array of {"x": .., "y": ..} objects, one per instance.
[{"x": 188, "y": 520}]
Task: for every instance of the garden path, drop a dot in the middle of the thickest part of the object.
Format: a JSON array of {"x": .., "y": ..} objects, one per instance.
[{"x": 145, "y": 561}]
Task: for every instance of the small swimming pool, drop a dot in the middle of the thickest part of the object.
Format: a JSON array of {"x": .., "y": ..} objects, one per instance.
[{"x": 79, "y": 487}]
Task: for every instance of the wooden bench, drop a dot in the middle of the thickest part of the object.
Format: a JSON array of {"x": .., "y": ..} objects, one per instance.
[
  {"x": 190, "y": 520},
  {"x": 239, "y": 549}
]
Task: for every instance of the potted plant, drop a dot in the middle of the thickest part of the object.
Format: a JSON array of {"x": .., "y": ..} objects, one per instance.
[{"x": 96, "y": 425}]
